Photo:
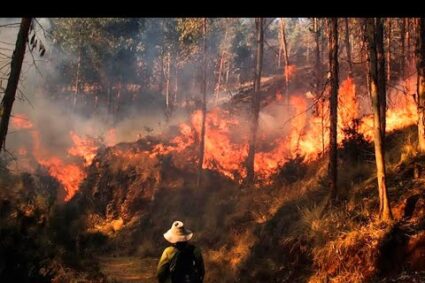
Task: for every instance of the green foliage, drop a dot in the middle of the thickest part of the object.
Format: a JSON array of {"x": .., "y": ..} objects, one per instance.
[{"x": 105, "y": 47}]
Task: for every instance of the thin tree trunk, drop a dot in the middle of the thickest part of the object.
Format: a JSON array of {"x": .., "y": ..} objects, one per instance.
[
  {"x": 176, "y": 82},
  {"x": 220, "y": 70},
  {"x": 13, "y": 81},
  {"x": 371, "y": 35},
  {"x": 389, "y": 50},
  {"x": 227, "y": 73},
  {"x": 379, "y": 30},
  {"x": 285, "y": 56},
  {"x": 403, "y": 49},
  {"x": 408, "y": 43},
  {"x": 167, "y": 82},
  {"x": 318, "y": 63},
  {"x": 420, "y": 65},
  {"x": 279, "y": 54},
  {"x": 77, "y": 77},
  {"x": 307, "y": 53},
  {"x": 348, "y": 47},
  {"x": 333, "y": 64},
  {"x": 255, "y": 107},
  {"x": 204, "y": 104}
]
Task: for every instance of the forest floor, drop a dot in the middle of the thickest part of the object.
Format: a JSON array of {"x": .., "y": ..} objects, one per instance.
[{"x": 129, "y": 269}]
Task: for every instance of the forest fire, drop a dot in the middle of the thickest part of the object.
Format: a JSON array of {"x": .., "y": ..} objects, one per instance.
[
  {"x": 296, "y": 141},
  {"x": 305, "y": 134},
  {"x": 85, "y": 148},
  {"x": 69, "y": 173}
]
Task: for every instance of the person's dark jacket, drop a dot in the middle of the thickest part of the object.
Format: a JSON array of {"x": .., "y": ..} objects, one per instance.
[{"x": 163, "y": 269}]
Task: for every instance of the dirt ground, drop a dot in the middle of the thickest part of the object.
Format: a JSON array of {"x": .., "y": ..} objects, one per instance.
[{"x": 129, "y": 269}]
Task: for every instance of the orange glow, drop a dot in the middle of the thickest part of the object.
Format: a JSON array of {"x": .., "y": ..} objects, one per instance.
[
  {"x": 85, "y": 148},
  {"x": 69, "y": 175},
  {"x": 226, "y": 141},
  {"x": 290, "y": 71},
  {"x": 20, "y": 121},
  {"x": 111, "y": 137},
  {"x": 302, "y": 134}
]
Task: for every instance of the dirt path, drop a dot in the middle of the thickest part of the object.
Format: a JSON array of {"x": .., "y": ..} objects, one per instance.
[{"x": 129, "y": 269}]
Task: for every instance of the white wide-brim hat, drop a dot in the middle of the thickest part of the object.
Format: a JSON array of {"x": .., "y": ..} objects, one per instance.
[{"x": 178, "y": 233}]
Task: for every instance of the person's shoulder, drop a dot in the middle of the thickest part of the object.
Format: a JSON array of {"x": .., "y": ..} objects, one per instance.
[{"x": 169, "y": 250}]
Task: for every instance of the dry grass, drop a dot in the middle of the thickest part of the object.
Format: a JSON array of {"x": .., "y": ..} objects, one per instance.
[{"x": 350, "y": 257}]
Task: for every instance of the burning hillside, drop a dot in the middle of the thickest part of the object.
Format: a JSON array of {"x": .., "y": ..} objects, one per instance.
[
  {"x": 286, "y": 131},
  {"x": 299, "y": 142}
]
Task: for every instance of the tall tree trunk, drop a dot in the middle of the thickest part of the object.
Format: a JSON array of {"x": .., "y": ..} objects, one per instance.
[
  {"x": 348, "y": 47},
  {"x": 12, "y": 83},
  {"x": 420, "y": 65},
  {"x": 77, "y": 77},
  {"x": 371, "y": 36},
  {"x": 285, "y": 56},
  {"x": 176, "y": 81},
  {"x": 408, "y": 44},
  {"x": 389, "y": 50},
  {"x": 333, "y": 66},
  {"x": 403, "y": 48},
  {"x": 255, "y": 107},
  {"x": 380, "y": 54},
  {"x": 317, "y": 63},
  {"x": 220, "y": 71},
  {"x": 204, "y": 104},
  {"x": 167, "y": 81}
]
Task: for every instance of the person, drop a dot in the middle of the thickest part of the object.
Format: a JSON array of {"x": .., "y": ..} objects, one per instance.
[{"x": 181, "y": 262}]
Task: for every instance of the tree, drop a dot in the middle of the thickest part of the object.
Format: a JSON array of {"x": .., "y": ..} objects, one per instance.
[
  {"x": 105, "y": 52},
  {"x": 375, "y": 88},
  {"x": 317, "y": 62},
  {"x": 333, "y": 66},
  {"x": 204, "y": 101},
  {"x": 403, "y": 33},
  {"x": 380, "y": 56},
  {"x": 318, "y": 78},
  {"x": 420, "y": 65},
  {"x": 284, "y": 47},
  {"x": 15, "y": 73},
  {"x": 348, "y": 47},
  {"x": 255, "y": 104},
  {"x": 388, "y": 59}
]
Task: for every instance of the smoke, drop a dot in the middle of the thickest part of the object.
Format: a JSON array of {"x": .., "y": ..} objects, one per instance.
[{"x": 52, "y": 114}]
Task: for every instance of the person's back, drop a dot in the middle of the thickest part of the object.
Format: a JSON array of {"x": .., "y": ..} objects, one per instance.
[
  {"x": 182, "y": 262},
  {"x": 186, "y": 266}
]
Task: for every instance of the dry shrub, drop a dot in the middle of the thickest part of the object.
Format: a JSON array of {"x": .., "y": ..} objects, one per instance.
[{"x": 351, "y": 257}]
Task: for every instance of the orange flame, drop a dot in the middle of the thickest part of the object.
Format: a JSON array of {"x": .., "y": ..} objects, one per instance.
[
  {"x": 85, "y": 148},
  {"x": 304, "y": 136},
  {"x": 226, "y": 141}
]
